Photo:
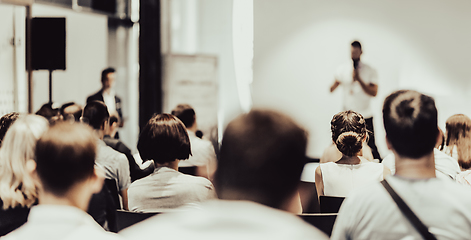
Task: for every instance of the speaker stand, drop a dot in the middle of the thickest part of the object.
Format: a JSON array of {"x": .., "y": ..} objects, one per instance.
[{"x": 50, "y": 86}]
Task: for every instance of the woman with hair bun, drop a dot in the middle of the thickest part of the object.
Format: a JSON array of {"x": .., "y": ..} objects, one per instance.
[{"x": 351, "y": 170}]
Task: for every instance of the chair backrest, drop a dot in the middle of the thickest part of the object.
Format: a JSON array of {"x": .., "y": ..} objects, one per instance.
[
  {"x": 322, "y": 221},
  {"x": 330, "y": 204},
  {"x": 112, "y": 187},
  {"x": 125, "y": 219}
]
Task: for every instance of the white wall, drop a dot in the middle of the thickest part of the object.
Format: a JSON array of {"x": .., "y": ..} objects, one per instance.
[
  {"x": 421, "y": 45},
  {"x": 205, "y": 27},
  {"x": 86, "y": 57}
]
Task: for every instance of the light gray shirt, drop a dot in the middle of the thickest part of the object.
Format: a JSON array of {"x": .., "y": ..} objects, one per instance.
[
  {"x": 60, "y": 222},
  {"x": 222, "y": 219},
  {"x": 166, "y": 188},
  {"x": 370, "y": 213},
  {"x": 115, "y": 164}
]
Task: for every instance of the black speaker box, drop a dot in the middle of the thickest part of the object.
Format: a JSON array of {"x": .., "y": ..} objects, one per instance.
[{"x": 48, "y": 43}]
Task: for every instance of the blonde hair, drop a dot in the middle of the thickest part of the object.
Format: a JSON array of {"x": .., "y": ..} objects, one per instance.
[
  {"x": 17, "y": 187},
  {"x": 458, "y": 134}
]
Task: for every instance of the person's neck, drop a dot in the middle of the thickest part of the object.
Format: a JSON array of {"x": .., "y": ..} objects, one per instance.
[
  {"x": 100, "y": 134},
  {"x": 106, "y": 90},
  {"x": 75, "y": 198},
  {"x": 416, "y": 168},
  {"x": 173, "y": 164},
  {"x": 349, "y": 160}
]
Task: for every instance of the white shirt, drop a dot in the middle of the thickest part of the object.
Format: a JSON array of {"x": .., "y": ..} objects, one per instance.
[
  {"x": 221, "y": 219},
  {"x": 445, "y": 166},
  {"x": 340, "y": 179},
  {"x": 371, "y": 213},
  {"x": 202, "y": 152},
  {"x": 110, "y": 101},
  {"x": 355, "y": 98},
  {"x": 60, "y": 222}
]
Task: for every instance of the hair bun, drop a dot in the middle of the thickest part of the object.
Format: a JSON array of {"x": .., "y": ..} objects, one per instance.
[{"x": 349, "y": 143}]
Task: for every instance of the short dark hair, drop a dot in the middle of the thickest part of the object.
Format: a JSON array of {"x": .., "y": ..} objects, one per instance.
[
  {"x": 48, "y": 112},
  {"x": 104, "y": 73},
  {"x": 348, "y": 131},
  {"x": 410, "y": 121},
  {"x": 5, "y": 122},
  {"x": 76, "y": 114},
  {"x": 65, "y": 155},
  {"x": 356, "y": 44},
  {"x": 113, "y": 119},
  {"x": 185, "y": 113},
  {"x": 95, "y": 114},
  {"x": 164, "y": 139},
  {"x": 261, "y": 159}
]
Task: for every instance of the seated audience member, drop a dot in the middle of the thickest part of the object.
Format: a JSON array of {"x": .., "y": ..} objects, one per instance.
[
  {"x": 351, "y": 170},
  {"x": 165, "y": 141},
  {"x": 18, "y": 190},
  {"x": 446, "y": 167},
  {"x": 332, "y": 153},
  {"x": 203, "y": 155},
  {"x": 64, "y": 194},
  {"x": 135, "y": 171},
  {"x": 5, "y": 122},
  {"x": 410, "y": 121},
  {"x": 71, "y": 112},
  {"x": 115, "y": 163},
  {"x": 458, "y": 144},
  {"x": 259, "y": 170},
  {"x": 51, "y": 114}
]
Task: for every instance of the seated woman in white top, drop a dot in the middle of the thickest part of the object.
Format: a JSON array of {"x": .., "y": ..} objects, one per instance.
[
  {"x": 458, "y": 144},
  {"x": 165, "y": 140},
  {"x": 351, "y": 170}
]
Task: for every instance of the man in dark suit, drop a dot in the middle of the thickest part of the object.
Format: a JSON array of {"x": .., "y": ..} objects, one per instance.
[{"x": 107, "y": 94}]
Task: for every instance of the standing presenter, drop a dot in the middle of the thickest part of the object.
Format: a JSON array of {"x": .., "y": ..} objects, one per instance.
[{"x": 360, "y": 85}]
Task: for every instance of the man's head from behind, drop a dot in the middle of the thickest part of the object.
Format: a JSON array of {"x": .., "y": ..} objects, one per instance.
[
  {"x": 71, "y": 112},
  {"x": 261, "y": 158},
  {"x": 96, "y": 115},
  {"x": 65, "y": 159},
  {"x": 410, "y": 121},
  {"x": 186, "y": 114}
]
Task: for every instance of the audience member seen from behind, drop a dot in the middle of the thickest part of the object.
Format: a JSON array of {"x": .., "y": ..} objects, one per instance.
[
  {"x": 351, "y": 171},
  {"x": 410, "y": 121},
  {"x": 18, "y": 191},
  {"x": 458, "y": 144},
  {"x": 71, "y": 112},
  {"x": 165, "y": 141},
  {"x": 446, "y": 167},
  {"x": 115, "y": 163},
  {"x": 135, "y": 171},
  {"x": 51, "y": 114},
  {"x": 64, "y": 194},
  {"x": 203, "y": 155},
  {"x": 262, "y": 157},
  {"x": 5, "y": 122}
]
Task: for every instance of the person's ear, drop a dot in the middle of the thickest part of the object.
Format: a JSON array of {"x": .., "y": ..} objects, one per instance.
[
  {"x": 97, "y": 180},
  {"x": 103, "y": 127},
  {"x": 31, "y": 169}
]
